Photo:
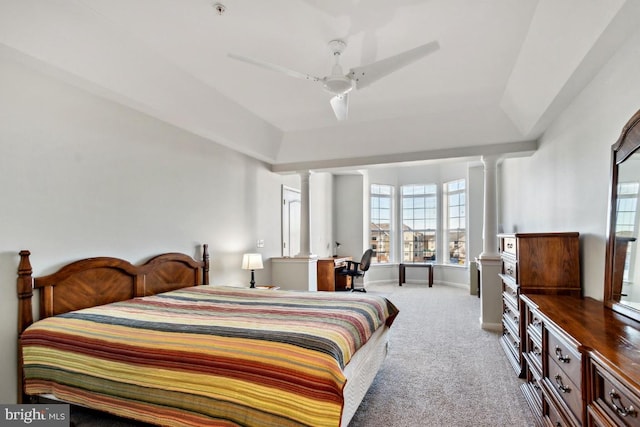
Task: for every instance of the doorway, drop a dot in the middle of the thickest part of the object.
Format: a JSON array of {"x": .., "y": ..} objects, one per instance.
[{"x": 290, "y": 221}]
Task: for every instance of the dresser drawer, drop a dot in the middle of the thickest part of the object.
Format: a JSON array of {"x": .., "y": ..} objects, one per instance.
[
  {"x": 534, "y": 350},
  {"x": 511, "y": 340},
  {"x": 533, "y": 395},
  {"x": 534, "y": 323},
  {"x": 553, "y": 416},
  {"x": 612, "y": 397},
  {"x": 509, "y": 245},
  {"x": 533, "y": 382},
  {"x": 567, "y": 390},
  {"x": 565, "y": 355},
  {"x": 509, "y": 268},
  {"x": 511, "y": 311},
  {"x": 510, "y": 289}
]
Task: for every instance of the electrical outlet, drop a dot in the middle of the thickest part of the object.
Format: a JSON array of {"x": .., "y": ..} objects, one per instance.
[{"x": 260, "y": 244}]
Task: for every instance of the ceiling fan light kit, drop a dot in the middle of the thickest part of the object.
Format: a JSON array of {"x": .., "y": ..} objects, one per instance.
[
  {"x": 340, "y": 84},
  {"x": 337, "y": 83}
]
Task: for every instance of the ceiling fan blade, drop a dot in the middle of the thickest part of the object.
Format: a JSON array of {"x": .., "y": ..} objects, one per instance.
[
  {"x": 340, "y": 105},
  {"x": 274, "y": 67},
  {"x": 367, "y": 74}
]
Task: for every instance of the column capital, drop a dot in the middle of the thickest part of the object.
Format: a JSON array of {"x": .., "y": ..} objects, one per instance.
[{"x": 490, "y": 160}]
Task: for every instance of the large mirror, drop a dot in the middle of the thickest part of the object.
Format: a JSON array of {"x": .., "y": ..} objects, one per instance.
[{"x": 622, "y": 275}]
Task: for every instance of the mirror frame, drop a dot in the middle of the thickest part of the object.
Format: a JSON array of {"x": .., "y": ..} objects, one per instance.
[{"x": 627, "y": 144}]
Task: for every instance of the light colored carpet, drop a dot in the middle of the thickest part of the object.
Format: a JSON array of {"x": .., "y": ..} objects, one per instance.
[{"x": 442, "y": 369}]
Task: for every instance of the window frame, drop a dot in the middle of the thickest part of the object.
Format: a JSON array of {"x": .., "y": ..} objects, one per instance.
[
  {"x": 394, "y": 251},
  {"x": 377, "y": 227},
  {"x": 460, "y": 192},
  {"x": 419, "y": 206}
]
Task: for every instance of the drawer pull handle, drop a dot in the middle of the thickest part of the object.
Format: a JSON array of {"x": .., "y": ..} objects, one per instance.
[
  {"x": 561, "y": 357},
  {"x": 620, "y": 409},
  {"x": 510, "y": 271},
  {"x": 563, "y": 388},
  {"x": 536, "y": 322},
  {"x": 537, "y": 351}
]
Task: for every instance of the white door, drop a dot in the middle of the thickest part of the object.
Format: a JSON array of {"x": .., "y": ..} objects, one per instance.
[{"x": 290, "y": 221}]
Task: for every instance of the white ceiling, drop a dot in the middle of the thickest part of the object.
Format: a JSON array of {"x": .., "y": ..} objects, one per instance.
[{"x": 504, "y": 69}]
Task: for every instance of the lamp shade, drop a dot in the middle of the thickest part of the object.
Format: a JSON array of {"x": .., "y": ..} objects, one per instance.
[{"x": 252, "y": 261}]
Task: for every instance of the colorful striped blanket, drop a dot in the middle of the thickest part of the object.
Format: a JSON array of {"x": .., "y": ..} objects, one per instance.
[{"x": 207, "y": 355}]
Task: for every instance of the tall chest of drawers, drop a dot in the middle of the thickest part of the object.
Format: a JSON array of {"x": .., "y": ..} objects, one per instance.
[{"x": 534, "y": 263}]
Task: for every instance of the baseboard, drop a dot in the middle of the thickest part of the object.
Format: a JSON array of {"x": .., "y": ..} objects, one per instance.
[
  {"x": 495, "y": 327},
  {"x": 420, "y": 282},
  {"x": 454, "y": 284}
]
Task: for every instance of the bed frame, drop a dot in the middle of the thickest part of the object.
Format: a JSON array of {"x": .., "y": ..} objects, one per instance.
[{"x": 96, "y": 281}]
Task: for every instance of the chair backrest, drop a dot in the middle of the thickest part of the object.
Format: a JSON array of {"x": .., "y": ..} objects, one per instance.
[{"x": 365, "y": 262}]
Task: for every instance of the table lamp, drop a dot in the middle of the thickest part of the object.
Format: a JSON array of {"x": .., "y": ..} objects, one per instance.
[{"x": 252, "y": 262}]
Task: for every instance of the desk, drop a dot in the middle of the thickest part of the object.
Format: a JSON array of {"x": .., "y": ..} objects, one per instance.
[
  {"x": 402, "y": 267},
  {"x": 328, "y": 277}
]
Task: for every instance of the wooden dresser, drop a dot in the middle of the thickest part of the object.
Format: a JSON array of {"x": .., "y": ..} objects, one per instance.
[
  {"x": 583, "y": 362},
  {"x": 534, "y": 263}
]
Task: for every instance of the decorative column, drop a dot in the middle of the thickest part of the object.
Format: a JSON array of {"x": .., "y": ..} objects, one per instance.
[
  {"x": 305, "y": 221},
  {"x": 489, "y": 260},
  {"x": 490, "y": 222}
]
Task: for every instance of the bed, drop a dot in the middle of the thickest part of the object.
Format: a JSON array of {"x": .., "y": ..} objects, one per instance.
[{"x": 157, "y": 343}]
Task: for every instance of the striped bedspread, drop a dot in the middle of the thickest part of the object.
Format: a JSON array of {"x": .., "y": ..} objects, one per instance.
[{"x": 207, "y": 355}]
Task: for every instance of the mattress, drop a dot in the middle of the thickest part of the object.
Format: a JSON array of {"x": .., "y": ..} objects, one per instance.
[{"x": 362, "y": 370}]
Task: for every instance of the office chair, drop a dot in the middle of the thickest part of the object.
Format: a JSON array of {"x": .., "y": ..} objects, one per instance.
[{"x": 357, "y": 269}]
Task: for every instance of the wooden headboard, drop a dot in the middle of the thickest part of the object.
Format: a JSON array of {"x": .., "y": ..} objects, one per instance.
[{"x": 96, "y": 281}]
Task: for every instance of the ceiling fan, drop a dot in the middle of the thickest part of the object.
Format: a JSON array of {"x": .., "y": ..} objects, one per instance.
[{"x": 340, "y": 84}]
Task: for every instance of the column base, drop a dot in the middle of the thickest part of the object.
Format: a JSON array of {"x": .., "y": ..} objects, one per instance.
[{"x": 490, "y": 291}]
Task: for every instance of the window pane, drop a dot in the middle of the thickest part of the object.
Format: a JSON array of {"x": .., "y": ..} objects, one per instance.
[
  {"x": 419, "y": 216},
  {"x": 380, "y": 227},
  {"x": 455, "y": 234}
]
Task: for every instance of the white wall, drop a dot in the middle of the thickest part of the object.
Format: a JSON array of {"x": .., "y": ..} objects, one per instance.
[
  {"x": 81, "y": 176},
  {"x": 349, "y": 199},
  {"x": 320, "y": 216},
  {"x": 564, "y": 186}
]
